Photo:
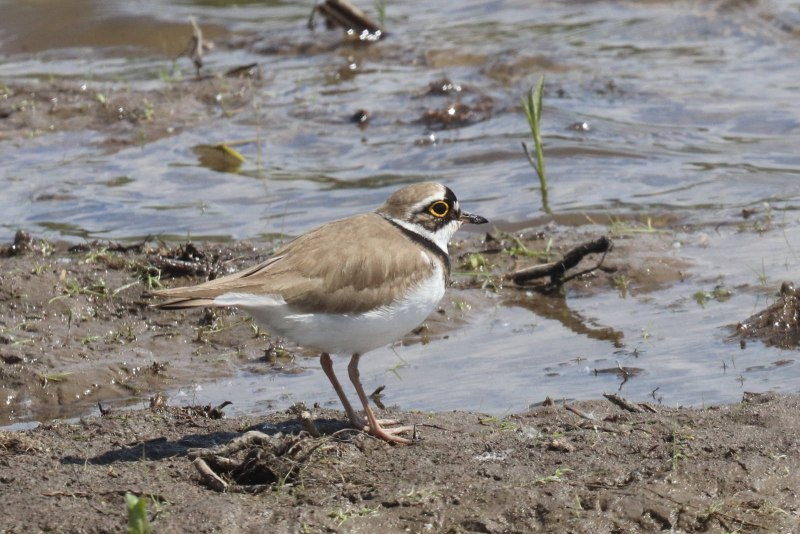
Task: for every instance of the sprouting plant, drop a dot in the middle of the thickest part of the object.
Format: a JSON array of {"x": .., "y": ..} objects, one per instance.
[
  {"x": 533, "y": 112},
  {"x": 149, "y": 110},
  {"x": 761, "y": 274},
  {"x": 137, "y": 515},
  {"x": 53, "y": 377},
  {"x": 679, "y": 440},
  {"x": 503, "y": 425},
  {"x": 340, "y": 516},
  {"x": 380, "y": 7},
  {"x": 557, "y": 476},
  {"x": 620, "y": 227},
  {"x": 622, "y": 283}
]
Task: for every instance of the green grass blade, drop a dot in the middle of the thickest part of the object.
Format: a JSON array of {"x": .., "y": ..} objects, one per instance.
[{"x": 533, "y": 112}]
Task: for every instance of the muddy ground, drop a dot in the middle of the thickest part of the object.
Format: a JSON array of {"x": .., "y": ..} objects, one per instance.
[
  {"x": 77, "y": 329},
  {"x": 726, "y": 469}
]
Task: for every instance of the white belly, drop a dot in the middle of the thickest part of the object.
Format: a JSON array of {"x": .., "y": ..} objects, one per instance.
[{"x": 344, "y": 334}]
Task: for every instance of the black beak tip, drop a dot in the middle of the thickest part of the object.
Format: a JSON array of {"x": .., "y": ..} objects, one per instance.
[{"x": 474, "y": 219}]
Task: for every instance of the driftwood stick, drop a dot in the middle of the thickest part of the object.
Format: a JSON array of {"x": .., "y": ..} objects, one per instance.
[
  {"x": 557, "y": 269},
  {"x": 623, "y": 403}
]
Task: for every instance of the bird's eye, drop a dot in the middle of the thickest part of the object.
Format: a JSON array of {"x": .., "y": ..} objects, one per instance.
[{"x": 439, "y": 208}]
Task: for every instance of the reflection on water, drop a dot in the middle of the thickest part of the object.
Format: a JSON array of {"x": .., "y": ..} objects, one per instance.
[
  {"x": 690, "y": 110},
  {"x": 556, "y": 308}
]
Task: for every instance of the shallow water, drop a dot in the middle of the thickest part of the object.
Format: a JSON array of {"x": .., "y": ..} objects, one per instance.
[{"x": 692, "y": 115}]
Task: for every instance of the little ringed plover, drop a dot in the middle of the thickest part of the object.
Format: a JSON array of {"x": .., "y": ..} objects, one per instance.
[{"x": 349, "y": 286}]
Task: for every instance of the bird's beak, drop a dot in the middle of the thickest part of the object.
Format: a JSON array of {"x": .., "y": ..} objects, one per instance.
[{"x": 472, "y": 219}]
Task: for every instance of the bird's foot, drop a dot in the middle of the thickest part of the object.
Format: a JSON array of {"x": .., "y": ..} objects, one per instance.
[
  {"x": 391, "y": 434},
  {"x": 387, "y": 434}
]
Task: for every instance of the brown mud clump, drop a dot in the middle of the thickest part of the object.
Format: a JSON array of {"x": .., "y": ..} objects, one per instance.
[{"x": 776, "y": 326}]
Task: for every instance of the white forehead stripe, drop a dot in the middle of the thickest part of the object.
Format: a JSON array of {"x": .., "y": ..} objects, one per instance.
[{"x": 422, "y": 204}]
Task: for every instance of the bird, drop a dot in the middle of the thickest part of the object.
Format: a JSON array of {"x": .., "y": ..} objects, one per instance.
[{"x": 349, "y": 286}]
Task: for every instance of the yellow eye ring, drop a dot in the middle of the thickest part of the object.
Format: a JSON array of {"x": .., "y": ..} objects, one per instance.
[{"x": 439, "y": 208}]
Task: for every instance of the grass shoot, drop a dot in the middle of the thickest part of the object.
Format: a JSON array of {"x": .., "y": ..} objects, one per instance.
[{"x": 533, "y": 112}]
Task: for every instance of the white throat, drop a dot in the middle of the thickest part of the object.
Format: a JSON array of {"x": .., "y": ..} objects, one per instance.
[{"x": 441, "y": 237}]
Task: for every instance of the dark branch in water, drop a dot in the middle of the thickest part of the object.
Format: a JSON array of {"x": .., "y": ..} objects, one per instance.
[
  {"x": 557, "y": 270},
  {"x": 343, "y": 14}
]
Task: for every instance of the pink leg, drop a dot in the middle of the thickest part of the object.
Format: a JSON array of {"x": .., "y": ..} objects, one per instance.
[
  {"x": 389, "y": 434},
  {"x": 327, "y": 366}
]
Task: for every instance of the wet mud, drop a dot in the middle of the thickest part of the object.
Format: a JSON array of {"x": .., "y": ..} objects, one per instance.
[
  {"x": 585, "y": 467},
  {"x": 78, "y": 330}
]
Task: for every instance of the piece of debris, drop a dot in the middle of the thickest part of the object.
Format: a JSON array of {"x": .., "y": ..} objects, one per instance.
[
  {"x": 184, "y": 260},
  {"x": 377, "y": 397},
  {"x": 22, "y": 243},
  {"x": 360, "y": 117},
  {"x": 582, "y": 415},
  {"x": 559, "y": 445},
  {"x": 158, "y": 401},
  {"x": 254, "y": 461},
  {"x": 628, "y": 405},
  {"x": 220, "y": 157},
  {"x": 776, "y": 326},
  {"x": 251, "y": 71},
  {"x": 458, "y": 114},
  {"x": 306, "y": 421},
  {"x": 441, "y": 87},
  {"x": 343, "y": 14},
  {"x": 557, "y": 270},
  {"x": 196, "y": 46}
]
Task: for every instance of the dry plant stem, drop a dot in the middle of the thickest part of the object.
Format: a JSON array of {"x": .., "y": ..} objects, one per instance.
[{"x": 557, "y": 269}]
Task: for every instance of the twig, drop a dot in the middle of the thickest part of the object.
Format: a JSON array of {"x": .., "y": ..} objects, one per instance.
[
  {"x": 210, "y": 478},
  {"x": 623, "y": 403},
  {"x": 557, "y": 269},
  {"x": 248, "y": 439},
  {"x": 579, "y": 413}
]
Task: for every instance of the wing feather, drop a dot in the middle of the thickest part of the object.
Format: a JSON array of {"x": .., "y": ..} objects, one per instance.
[{"x": 370, "y": 272}]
